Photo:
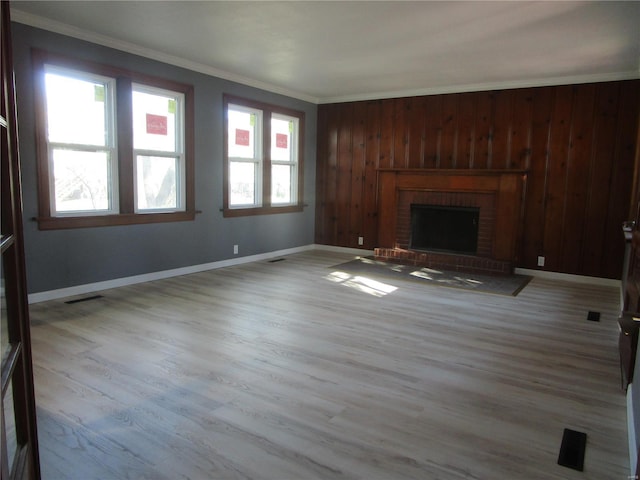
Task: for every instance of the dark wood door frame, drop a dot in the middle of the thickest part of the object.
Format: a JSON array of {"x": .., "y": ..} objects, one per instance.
[{"x": 19, "y": 441}]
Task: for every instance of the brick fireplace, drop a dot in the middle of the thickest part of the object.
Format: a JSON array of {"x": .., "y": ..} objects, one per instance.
[{"x": 497, "y": 194}]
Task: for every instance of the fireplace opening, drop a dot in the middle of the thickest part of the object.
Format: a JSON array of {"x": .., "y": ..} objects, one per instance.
[{"x": 444, "y": 228}]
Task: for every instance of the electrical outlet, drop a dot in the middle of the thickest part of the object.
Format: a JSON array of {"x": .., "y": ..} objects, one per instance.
[
  {"x": 541, "y": 261},
  {"x": 360, "y": 240},
  {"x": 235, "y": 249}
]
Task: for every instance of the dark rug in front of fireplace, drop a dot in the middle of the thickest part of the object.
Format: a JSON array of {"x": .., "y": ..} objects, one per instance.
[{"x": 498, "y": 284}]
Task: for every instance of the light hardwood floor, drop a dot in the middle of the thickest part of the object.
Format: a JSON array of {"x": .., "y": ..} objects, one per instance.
[{"x": 291, "y": 370}]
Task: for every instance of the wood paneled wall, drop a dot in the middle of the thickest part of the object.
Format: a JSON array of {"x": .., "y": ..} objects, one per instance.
[{"x": 578, "y": 143}]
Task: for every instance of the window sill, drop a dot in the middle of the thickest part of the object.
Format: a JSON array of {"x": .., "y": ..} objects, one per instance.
[
  {"x": 245, "y": 212},
  {"x": 60, "y": 223}
]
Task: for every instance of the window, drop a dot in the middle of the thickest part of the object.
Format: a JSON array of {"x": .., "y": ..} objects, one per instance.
[
  {"x": 114, "y": 147},
  {"x": 81, "y": 142},
  {"x": 263, "y": 152},
  {"x": 158, "y": 151},
  {"x": 284, "y": 159},
  {"x": 244, "y": 140}
]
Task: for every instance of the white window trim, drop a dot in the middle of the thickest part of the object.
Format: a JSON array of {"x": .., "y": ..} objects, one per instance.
[
  {"x": 293, "y": 163},
  {"x": 257, "y": 160},
  {"x": 111, "y": 146},
  {"x": 179, "y": 154}
]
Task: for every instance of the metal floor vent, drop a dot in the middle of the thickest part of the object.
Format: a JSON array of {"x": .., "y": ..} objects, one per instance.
[
  {"x": 593, "y": 316},
  {"x": 85, "y": 299},
  {"x": 572, "y": 449}
]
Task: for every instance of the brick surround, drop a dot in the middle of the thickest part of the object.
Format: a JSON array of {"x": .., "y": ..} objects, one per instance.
[{"x": 497, "y": 195}]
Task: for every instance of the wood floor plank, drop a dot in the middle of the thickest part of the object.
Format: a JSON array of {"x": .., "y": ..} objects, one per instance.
[{"x": 295, "y": 370}]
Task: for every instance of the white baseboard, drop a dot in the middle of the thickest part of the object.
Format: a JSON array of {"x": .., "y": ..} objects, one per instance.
[
  {"x": 568, "y": 277},
  {"x": 631, "y": 426},
  {"x": 148, "y": 277}
]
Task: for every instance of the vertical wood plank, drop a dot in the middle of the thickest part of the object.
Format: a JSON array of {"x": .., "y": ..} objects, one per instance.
[
  {"x": 345, "y": 158},
  {"x": 504, "y": 245},
  {"x": 600, "y": 170},
  {"x": 434, "y": 119},
  {"x": 484, "y": 125},
  {"x": 620, "y": 191},
  {"x": 387, "y": 132},
  {"x": 321, "y": 228},
  {"x": 521, "y": 128},
  {"x": 535, "y": 199},
  {"x": 331, "y": 221},
  {"x": 557, "y": 176},
  {"x": 503, "y": 105},
  {"x": 635, "y": 193},
  {"x": 401, "y": 111},
  {"x": 386, "y": 227},
  {"x": 466, "y": 129},
  {"x": 576, "y": 190},
  {"x": 357, "y": 174},
  {"x": 372, "y": 155},
  {"x": 448, "y": 140},
  {"x": 417, "y": 118}
]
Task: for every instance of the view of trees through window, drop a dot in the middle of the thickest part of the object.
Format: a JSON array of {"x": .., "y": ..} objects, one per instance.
[
  {"x": 80, "y": 123},
  {"x": 158, "y": 148},
  {"x": 114, "y": 147},
  {"x": 244, "y": 142}
]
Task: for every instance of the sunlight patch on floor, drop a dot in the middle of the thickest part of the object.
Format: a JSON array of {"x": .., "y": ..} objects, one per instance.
[
  {"x": 361, "y": 284},
  {"x": 430, "y": 274},
  {"x": 469, "y": 281}
]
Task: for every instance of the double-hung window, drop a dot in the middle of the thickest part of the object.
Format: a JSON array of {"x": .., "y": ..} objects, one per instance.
[
  {"x": 158, "y": 139},
  {"x": 81, "y": 142},
  {"x": 284, "y": 159},
  {"x": 114, "y": 147},
  {"x": 263, "y": 158},
  {"x": 244, "y": 140}
]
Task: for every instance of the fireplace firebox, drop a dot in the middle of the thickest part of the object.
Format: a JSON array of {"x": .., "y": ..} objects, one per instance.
[{"x": 439, "y": 228}]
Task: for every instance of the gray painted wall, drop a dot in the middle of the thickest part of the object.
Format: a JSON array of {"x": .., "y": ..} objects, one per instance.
[{"x": 65, "y": 258}]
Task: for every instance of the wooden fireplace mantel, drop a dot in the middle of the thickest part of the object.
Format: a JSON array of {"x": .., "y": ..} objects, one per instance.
[{"x": 506, "y": 186}]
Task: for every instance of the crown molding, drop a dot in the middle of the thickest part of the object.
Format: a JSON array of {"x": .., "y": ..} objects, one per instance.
[
  {"x": 482, "y": 87},
  {"x": 64, "y": 29}
]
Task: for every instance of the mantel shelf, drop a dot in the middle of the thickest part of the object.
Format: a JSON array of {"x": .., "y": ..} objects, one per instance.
[{"x": 453, "y": 171}]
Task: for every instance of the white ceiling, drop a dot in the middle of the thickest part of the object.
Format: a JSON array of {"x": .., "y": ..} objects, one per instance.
[{"x": 339, "y": 51}]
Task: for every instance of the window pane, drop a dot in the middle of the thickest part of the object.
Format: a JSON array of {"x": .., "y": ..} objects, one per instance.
[
  {"x": 82, "y": 180},
  {"x": 281, "y": 184},
  {"x": 154, "y": 121},
  {"x": 76, "y": 110},
  {"x": 242, "y": 134},
  {"x": 281, "y": 131},
  {"x": 242, "y": 183},
  {"x": 10, "y": 424},
  {"x": 156, "y": 178},
  {"x": 4, "y": 319}
]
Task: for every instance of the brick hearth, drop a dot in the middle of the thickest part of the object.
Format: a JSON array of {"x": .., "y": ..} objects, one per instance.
[{"x": 444, "y": 261}]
